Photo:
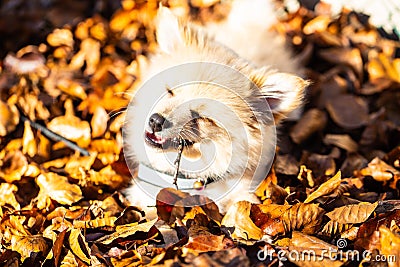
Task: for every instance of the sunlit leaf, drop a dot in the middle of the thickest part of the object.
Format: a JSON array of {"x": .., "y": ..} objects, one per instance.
[
  {"x": 127, "y": 230},
  {"x": 238, "y": 216},
  {"x": 78, "y": 246},
  {"x": 58, "y": 188},
  {"x": 326, "y": 188}
]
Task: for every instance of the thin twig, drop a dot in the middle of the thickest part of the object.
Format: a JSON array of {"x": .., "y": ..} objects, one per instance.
[
  {"x": 54, "y": 136},
  {"x": 178, "y": 162}
]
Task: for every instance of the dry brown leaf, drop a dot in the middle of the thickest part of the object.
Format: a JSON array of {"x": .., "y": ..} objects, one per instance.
[
  {"x": 69, "y": 260},
  {"x": 238, "y": 216},
  {"x": 301, "y": 240},
  {"x": 204, "y": 243},
  {"x": 348, "y": 111},
  {"x": 117, "y": 123},
  {"x": 347, "y": 56},
  {"x": 28, "y": 60},
  {"x": 379, "y": 170},
  {"x": 333, "y": 227},
  {"x": 56, "y": 187},
  {"x": 127, "y": 230},
  {"x": 350, "y": 234},
  {"x": 312, "y": 121},
  {"x": 343, "y": 141},
  {"x": 326, "y": 188},
  {"x": 78, "y": 164},
  {"x": 304, "y": 217},
  {"x": 355, "y": 213},
  {"x": 282, "y": 219},
  {"x": 306, "y": 175}
]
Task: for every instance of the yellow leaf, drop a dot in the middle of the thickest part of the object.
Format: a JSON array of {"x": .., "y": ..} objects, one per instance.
[
  {"x": 318, "y": 24},
  {"x": 7, "y": 195},
  {"x": 379, "y": 170},
  {"x": 78, "y": 246},
  {"x": 96, "y": 223},
  {"x": 127, "y": 230},
  {"x": 25, "y": 245},
  {"x": 29, "y": 145},
  {"x": 71, "y": 127},
  {"x": 9, "y": 118},
  {"x": 238, "y": 216},
  {"x": 99, "y": 121},
  {"x": 326, "y": 188},
  {"x": 390, "y": 245},
  {"x": 58, "y": 188},
  {"x": 60, "y": 37}
]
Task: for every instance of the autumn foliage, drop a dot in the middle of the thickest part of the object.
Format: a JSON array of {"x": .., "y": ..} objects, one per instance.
[{"x": 334, "y": 185}]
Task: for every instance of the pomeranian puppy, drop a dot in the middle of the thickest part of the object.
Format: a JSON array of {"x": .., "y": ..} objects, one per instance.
[{"x": 201, "y": 119}]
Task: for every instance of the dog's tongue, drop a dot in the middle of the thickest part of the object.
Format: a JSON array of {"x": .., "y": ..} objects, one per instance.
[{"x": 155, "y": 138}]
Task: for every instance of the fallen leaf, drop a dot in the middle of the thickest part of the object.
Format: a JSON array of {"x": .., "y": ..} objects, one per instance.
[
  {"x": 60, "y": 37},
  {"x": 99, "y": 122},
  {"x": 379, "y": 170},
  {"x": 56, "y": 187},
  {"x": 343, "y": 141},
  {"x": 126, "y": 230},
  {"x": 7, "y": 195},
  {"x": 204, "y": 243},
  {"x": 390, "y": 245},
  {"x": 71, "y": 127},
  {"x": 357, "y": 213},
  {"x": 326, "y": 188},
  {"x": 347, "y": 56},
  {"x": 29, "y": 146},
  {"x": 9, "y": 118},
  {"x": 312, "y": 121},
  {"x": 78, "y": 246},
  {"x": 238, "y": 217},
  {"x": 25, "y": 245},
  {"x": 348, "y": 111}
]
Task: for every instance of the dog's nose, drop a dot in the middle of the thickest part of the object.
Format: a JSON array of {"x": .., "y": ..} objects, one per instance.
[{"x": 157, "y": 122}]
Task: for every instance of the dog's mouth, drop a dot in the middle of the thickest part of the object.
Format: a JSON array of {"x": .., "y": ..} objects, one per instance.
[{"x": 166, "y": 143}]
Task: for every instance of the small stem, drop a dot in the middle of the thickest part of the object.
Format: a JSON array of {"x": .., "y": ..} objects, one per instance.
[
  {"x": 178, "y": 162},
  {"x": 54, "y": 136}
]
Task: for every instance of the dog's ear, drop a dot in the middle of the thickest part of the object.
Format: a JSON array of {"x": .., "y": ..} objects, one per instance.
[
  {"x": 283, "y": 92},
  {"x": 169, "y": 34}
]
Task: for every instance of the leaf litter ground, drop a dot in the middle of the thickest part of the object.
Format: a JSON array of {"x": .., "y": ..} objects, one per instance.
[{"x": 334, "y": 185}]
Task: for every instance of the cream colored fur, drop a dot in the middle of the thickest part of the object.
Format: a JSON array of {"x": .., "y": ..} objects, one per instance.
[{"x": 225, "y": 148}]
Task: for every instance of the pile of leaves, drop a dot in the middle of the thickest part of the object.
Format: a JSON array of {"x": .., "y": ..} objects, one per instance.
[{"x": 332, "y": 192}]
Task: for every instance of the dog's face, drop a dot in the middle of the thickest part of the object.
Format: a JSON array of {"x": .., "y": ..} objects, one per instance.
[{"x": 220, "y": 118}]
